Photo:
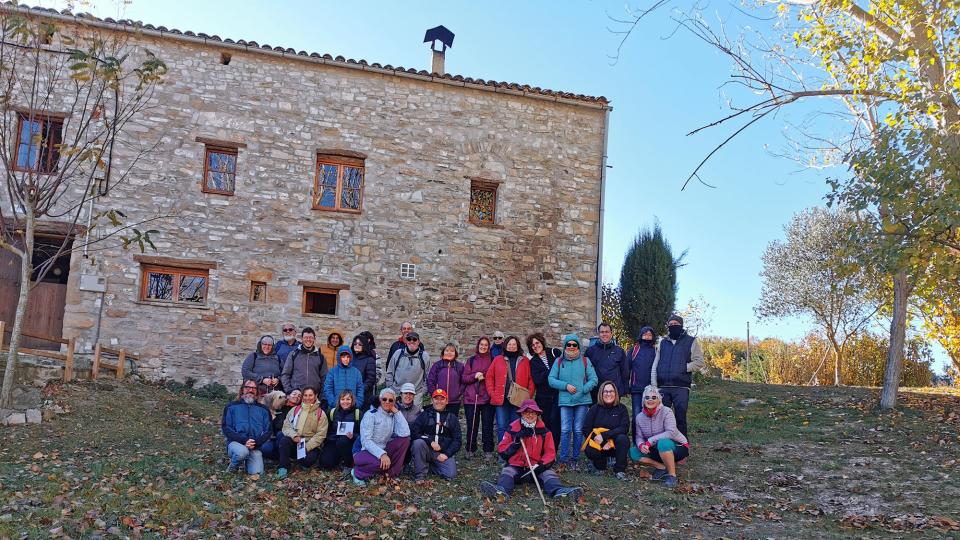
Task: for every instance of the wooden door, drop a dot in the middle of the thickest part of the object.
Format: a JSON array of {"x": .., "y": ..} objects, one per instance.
[{"x": 44, "y": 309}]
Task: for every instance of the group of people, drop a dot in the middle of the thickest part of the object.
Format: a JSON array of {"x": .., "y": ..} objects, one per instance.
[{"x": 305, "y": 404}]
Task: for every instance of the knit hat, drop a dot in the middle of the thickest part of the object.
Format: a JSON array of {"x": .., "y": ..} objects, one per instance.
[{"x": 677, "y": 318}]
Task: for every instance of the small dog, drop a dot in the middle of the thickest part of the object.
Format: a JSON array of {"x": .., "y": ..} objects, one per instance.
[{"x": 273, "y": 400}]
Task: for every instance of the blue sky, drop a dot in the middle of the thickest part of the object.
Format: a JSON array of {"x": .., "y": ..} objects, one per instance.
[{"x": 664, "y": 85}]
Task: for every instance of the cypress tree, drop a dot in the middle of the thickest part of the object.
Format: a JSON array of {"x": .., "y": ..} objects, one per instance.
[{"x": 648, "y": 282}]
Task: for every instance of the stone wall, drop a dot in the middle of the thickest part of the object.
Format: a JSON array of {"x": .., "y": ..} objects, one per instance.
[{"x": 535, "y": 270}]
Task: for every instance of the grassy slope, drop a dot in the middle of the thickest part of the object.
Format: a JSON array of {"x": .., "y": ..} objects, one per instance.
[{"x": 803, "y": 462}]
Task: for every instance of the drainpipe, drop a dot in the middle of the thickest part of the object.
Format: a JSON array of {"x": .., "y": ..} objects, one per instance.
[{"x": 603, "y": 196}]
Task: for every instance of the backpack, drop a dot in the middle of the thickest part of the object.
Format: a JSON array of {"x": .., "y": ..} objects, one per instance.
[
  {"x": 423, "y": 365},
  {"x": 356, "y": 414}
]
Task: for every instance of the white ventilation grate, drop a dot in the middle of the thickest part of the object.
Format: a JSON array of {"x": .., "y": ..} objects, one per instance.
[{"x": 408, "y": 271}]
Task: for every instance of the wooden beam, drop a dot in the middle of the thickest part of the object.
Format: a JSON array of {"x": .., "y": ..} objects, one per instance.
[
  {"x": 121, "y": 363},
  {"x": 95, "y": 367},
  {"x": 38, "y": 352},
  {"x": 324, "y": 285},
  {"x": 116, "y": 352},
  {"x": 68, "y": 364},
  {"x": 196, "y": 264},
  {"x": 45, "y": 337},
  {"x": 221, "y": 142}
]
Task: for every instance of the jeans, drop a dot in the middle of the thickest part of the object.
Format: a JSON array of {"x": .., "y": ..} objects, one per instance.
[
  {"x": 425, "y": 458},
  {"x": 571, "y": 423},
  {"x": 240, "y": 453},
  {"x": 506, "y": 413}
]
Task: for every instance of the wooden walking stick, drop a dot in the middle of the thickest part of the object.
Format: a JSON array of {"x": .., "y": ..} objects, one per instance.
[{"x": 533, "y": 473}]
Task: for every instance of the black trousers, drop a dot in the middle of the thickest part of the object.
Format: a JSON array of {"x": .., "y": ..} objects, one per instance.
[
  {"x": 337, "y": 451},
  {"x": 479, "y": 418},
  {"x": 549, "y": 404},
  {"x": 288, "y": 450},
  {"x": 677, "y": 398},
  {"x": 599, "y": 457}
]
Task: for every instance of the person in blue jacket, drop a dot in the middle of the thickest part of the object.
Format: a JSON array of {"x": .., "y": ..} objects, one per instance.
[
  {"x": 246, "y": 425},
  {"x": 573, "y": 376},
  {"x": 641, "y": 363},
  {"x": 342, "y": 377}
]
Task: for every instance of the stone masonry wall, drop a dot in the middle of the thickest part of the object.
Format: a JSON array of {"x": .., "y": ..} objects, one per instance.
[{"x": 535, "y": 270}]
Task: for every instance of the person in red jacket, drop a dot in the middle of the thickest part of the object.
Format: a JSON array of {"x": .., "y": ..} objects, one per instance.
[
  {"x": 511, "y": 367},
  {"x": 537, "y": 445}
]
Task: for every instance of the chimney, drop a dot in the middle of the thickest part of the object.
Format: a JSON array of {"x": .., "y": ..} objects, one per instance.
[
  {"x": 445, "y": 37},
  {"x": 438, "y": 62}
]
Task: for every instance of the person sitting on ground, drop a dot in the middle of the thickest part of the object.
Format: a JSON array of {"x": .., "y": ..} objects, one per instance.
[
  {"x": 445, "y": 374},
  {"x": 246, "y": 427},
  {"x": 304, "y": 431},
  {"x": 436, "y": 438},
  {"x": 606, "y": 429},
  {"x": 274, "y": 402},
  {"x": 384, "y": 439},
  {"x": 264, "y": 366},
  {"x": 342, "y": 377},
  {"x": 304, "y": 366},
  {"x": 409, "y": 364},
  {"x": 659, "y": 443},
  {"x": 528, "y": 446},
  {"x": 365, "y": 360},
  {"x": 408, "y": 405},
  {"x": 343, "y": 434}
]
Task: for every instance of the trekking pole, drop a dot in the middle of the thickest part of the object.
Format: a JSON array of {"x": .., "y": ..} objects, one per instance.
[{"x": 533, "y": 473}]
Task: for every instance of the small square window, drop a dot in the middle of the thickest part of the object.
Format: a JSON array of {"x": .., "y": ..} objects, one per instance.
[
  {"x": 38, "y": 143},
  {"x": 408, "y": 271},
  {"x": 320, "y": 301},
  {"x": 483, "y": 202},
  {"x": 258, "y": 292},
  {"x": 219, "y": 170}
]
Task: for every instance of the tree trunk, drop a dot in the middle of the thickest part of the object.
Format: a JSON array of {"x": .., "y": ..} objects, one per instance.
[
  {"x": 898, "y": 333},
  {"x": 26, "y": 269}
]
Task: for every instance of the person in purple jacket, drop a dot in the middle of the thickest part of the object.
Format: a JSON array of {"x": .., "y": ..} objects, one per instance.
[
  {"x": 478, "y": 412},
  {"x": 446, "y": 374}
]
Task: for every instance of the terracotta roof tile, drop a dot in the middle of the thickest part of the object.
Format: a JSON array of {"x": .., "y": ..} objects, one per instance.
[{"x": 526, "y": 89}]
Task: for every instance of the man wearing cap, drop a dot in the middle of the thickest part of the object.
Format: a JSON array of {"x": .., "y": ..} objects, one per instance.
[
  {"x": 678, "y": 357},
  {"x": 401, "y": 341},
  {"x": 497, "y": 348},
  {"x": 409, "y": 364},
  {"x": 436, "y": 438},
  {"x": 384, "y": 439},
  {"x": 528, "y": 443}
]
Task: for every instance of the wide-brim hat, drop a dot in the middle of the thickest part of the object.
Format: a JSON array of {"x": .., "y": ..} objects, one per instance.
[{"x": 529, "y": 405}]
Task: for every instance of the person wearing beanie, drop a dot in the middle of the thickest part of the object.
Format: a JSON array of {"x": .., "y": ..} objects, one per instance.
[
  {"x": 573, "y": 376},
  {"x": 641, "y": 363},
  {"x": 678, "y": 356},
  {"x": 342, "y": 377},
  {"x": 659, "y": 444}
]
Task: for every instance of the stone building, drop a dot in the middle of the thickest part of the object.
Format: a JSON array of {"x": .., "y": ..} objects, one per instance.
[{"x": 335, "y": 193}]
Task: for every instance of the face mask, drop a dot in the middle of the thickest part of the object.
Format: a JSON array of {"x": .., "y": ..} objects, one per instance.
[
  {"x": 675, "y": 332},
  {"x": 647, "y": 340}
]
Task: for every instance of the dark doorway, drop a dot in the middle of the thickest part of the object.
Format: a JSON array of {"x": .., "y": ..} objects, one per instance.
[{"x": 47, "y": 299}]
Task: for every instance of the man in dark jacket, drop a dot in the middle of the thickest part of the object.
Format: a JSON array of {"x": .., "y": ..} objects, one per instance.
[
  {"x": 288, "y": 342},
  {"x": 305, "y": 365},
  {"x": 610, "y": 361},
  {"x": 678, "y": 356},
  {"x": 436, "y": 438},
  {"x": 246, "y": 425},
  {"x": 401, "y": 341}
]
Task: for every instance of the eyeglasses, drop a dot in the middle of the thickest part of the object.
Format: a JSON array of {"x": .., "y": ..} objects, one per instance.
[
  {"x": 387, "y": 400},
  {"x": 609, "y": 391},
  {"x": 497, "y": 338},
  {"x": 573, "y": 345},
  {"x": 412, "y": 339},
  {"x": 651, "y": 398}
]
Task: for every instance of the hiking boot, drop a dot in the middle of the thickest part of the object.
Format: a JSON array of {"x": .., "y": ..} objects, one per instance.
[
  {"x": 611, "y": 462},
  {"x": 622, "y": 476},
  {"x": 493, "y": 491},
  {"x": 357, "y": 481},
  {"x": 281, "y": 473},
  {"x": 659, "y": 475},
  {"x": 670, "y": 481},
  {"x": 568, "y": 492}
]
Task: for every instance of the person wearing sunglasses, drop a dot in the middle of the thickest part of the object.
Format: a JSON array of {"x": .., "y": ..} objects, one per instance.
[
  {"x": 384, "y": 440},
  {"x": 659, "y": 444},
  {"x": 409, "y": 365},
  {"x": 573, "y": 376},
  {"x": 497, "y": 348},
  {"x": 287, "y": 343},
  {"x": 246, "y": 425},
  {"x": 263, "y": 365}
]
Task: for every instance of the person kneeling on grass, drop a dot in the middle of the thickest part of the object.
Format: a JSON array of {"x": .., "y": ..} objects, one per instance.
[
  {"x": 528, "y": 443},
  {"x": 384, "y": 439},
  {"x": 304, "y": 431},
  {"x": 246, "y": 426},
  {"x": 605, "y": 430},
  {"x": 436, "y": 438},
  {"x": 659, "y": 443}
]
